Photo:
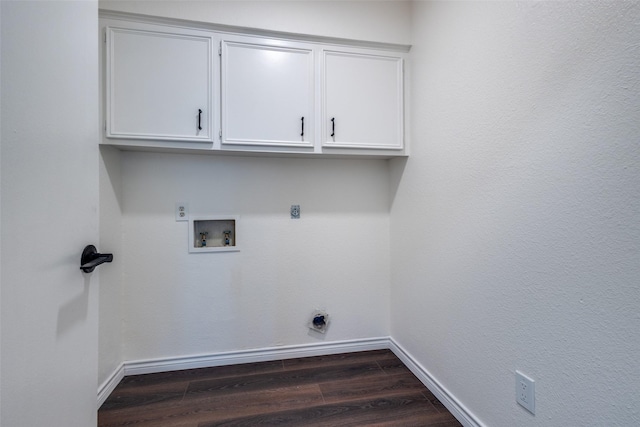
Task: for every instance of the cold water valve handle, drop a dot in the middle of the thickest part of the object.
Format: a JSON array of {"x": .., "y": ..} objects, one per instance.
[{"x": 91, "y": 259}]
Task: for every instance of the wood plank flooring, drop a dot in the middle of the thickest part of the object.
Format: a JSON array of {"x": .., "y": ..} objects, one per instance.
[{"x": 370, "y": 388}]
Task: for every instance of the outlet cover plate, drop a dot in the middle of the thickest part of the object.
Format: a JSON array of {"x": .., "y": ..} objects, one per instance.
[
  {"x": 295, "y": 211},
  {"x": 182, "y": 211},
  {"x": 525, "y": 392}
]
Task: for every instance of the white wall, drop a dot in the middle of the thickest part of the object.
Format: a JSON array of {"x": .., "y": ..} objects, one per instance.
[
  {"x": 382, "y": 21},
  {"x": 335, "y": 257},
  {"x": 49, "y": 184},
  {"x": 515, "y": 224},
  {"x": 0, "y": 208},
  {"x": 514, "y": 237},
  {"x": 110, "y": 334}
]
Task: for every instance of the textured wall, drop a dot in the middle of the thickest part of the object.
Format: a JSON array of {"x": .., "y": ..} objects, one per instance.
[
  {"x": 382, "y": 21},
  {"x": 110, "y": 343},
  {"x": 335, "y": 257},
  {"x": 516, "y": 221},
  {"x": 341, "y": 242}
]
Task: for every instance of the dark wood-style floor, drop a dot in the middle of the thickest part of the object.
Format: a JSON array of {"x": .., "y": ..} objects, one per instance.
[{"x": 355, "y": 389}]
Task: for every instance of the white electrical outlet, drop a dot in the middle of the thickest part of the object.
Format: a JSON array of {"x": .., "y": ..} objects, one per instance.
[
  {"x": 182, "y": 211},
  {"x": 525, "y": 392}
]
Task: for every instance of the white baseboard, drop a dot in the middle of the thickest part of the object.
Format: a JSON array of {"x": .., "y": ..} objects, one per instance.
[
  {"x": 250, "y": 356},
  {"x": 150, "y": 366},
  {"x": 107, "y": 387},
  {"x": 454, "y": 406},
  {"x": 289, "y": 352}
]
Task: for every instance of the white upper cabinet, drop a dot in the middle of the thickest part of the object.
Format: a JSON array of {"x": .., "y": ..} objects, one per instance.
[
  {"x": 190, "y": 86},
  {"x": 362, "y": 100},
  {"x": 158, "y": 85},
  {"x": 267, "y": 93}
]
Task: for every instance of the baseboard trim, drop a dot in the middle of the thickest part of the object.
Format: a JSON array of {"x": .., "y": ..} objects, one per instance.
[
  {"x": 150, "y": 366},
  {"x": 254, "y": 355},
  {"x": 454, "y": 406},
  {"x": 107, "y": 387}
]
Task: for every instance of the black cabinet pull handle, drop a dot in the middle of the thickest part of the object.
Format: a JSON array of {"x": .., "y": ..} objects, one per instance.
[
  {"x": 333, "y": 127},
  {"x": 199, "y": 119},
  {"x": 302, "y": 134}
]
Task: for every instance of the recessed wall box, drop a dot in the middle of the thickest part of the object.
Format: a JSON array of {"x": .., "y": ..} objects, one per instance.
[
  {"x": 213, "y": 234},
  {"x": 319, "y": 321}
]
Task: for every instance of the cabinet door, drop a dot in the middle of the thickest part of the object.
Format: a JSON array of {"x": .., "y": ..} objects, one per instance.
[
  {"x": 158, "y": 85},
  {"x": 267, "y": 94},
  {"x": 362, "y": 101}
]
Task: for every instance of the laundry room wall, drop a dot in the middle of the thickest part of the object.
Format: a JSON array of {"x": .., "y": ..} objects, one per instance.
[
  {"x": 515, "y": 224},
  {"x": 173, "y": 303}
]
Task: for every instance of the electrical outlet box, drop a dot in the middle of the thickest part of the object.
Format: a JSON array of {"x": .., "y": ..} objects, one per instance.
[{"x": 525, "y": 392}]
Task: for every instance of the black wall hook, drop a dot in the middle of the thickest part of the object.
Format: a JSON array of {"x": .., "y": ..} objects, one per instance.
[{"x": 91, "y": 259}]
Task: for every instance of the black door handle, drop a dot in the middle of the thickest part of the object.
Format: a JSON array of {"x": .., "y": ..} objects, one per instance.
[
  {"x": 302, "y": 134},
  {"x": 333, "y": 127},
  {"x": 199, "y": 119},
  {"x": 91, "y": 259}
]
